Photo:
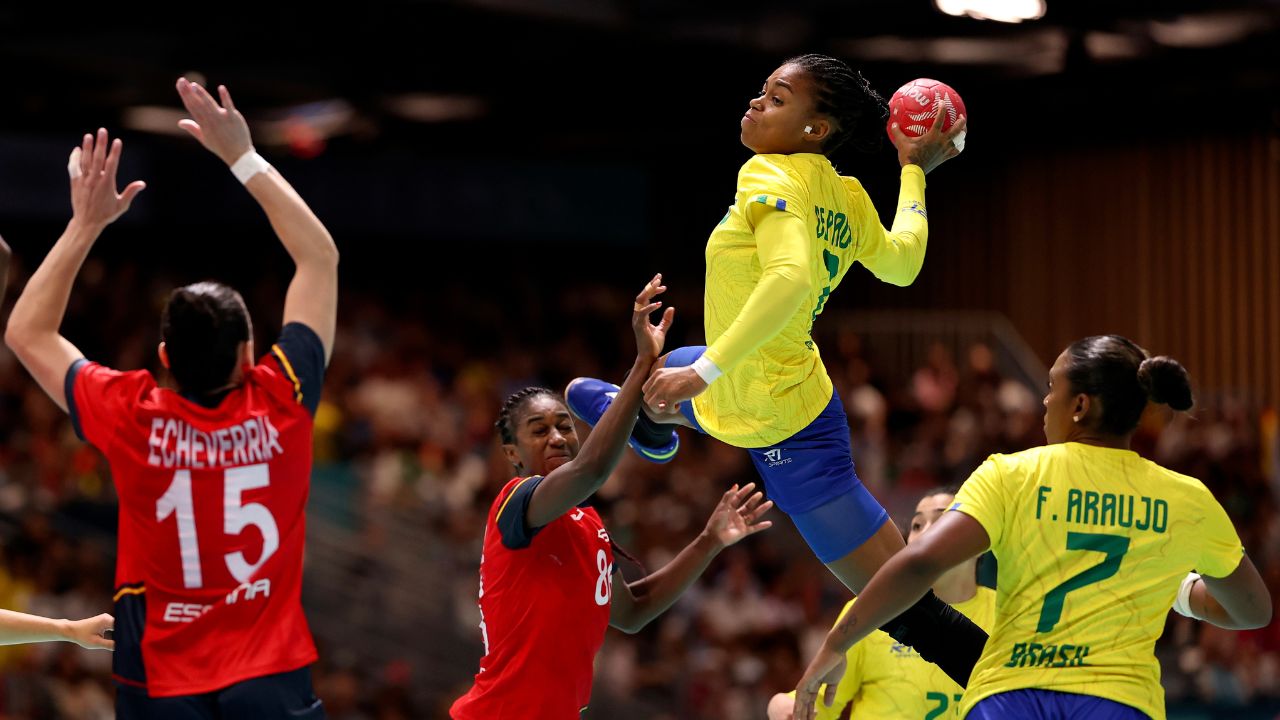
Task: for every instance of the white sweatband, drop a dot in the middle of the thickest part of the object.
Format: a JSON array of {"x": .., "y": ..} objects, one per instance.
[
  {"x": 249, "y": 164},
  {"x": 706, "y": 369},
  {"x": 1182, "y": 604}
]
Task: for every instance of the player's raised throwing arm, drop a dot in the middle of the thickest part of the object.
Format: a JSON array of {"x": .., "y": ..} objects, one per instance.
[
  {"x": 312, "y": 298},
  {"x": 896, "y": 255},
  {"x": 33, "y": 333}
]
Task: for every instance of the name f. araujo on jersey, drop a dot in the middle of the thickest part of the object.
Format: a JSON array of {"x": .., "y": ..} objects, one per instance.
[{"x": 1095, "y": 544}]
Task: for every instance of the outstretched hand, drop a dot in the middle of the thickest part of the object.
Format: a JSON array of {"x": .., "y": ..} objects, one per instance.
[
  {"x": 220, "y": 128},
  {"x": 738, "y": 515},
  {"x": 92, "y": 168},
  {"x": 649, "y": 337}
]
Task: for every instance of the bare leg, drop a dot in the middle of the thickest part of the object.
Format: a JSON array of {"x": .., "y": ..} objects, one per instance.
[{"x": 856, "y": 568}]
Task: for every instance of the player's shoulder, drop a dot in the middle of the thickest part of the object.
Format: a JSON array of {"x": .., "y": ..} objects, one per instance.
[
  {"x": 504, "y": 495},
  {"x": 275, "y": 376},
  {"x": 852, "y": 186},
  {"x": 1185, "y": 485},
  {"x": 141, "y": 377},
  {"x": 790, "y": 170},
  {"x": 1026, "y": 461},
  {"x": 140, "y": 382}
]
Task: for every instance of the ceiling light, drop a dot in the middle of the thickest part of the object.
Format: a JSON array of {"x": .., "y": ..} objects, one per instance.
[{"x": 1009, "y": 11}]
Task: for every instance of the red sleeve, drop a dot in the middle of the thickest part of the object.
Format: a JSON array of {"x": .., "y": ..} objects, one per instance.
[{"x": 97, "y": 397}]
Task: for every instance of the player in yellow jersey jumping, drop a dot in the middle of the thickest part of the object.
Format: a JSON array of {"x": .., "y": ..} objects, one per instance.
[
  {"x": 795, "y": 228},
  {"x": 1094, "y": 545},
  {"x": 888, "y": 681}
]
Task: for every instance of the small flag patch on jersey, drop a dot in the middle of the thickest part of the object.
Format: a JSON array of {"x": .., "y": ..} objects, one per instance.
[
  {"x": 954, "y": 507},
  {"x": 916, "y": 207},
  {"x": 778, "y": 203}
]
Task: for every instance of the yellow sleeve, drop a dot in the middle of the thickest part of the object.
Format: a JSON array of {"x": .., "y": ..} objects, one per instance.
[
  {"x": 782, "y": 242},
  {"x": 896, "y": 255},
  {"x": 1220, "y": 547},
  {"x": 982, "y": 498}
]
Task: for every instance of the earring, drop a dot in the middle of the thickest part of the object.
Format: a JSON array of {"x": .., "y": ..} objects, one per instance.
[
  {"x": 1076, "y": 418},
  {"x": 808, "y": 129}
]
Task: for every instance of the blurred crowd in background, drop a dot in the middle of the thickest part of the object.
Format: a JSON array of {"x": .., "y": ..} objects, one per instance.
[{"x": 404, "y": 436}]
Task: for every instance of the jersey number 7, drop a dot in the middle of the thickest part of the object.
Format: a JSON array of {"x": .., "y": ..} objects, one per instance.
[{"x": 1115, "y": 547}]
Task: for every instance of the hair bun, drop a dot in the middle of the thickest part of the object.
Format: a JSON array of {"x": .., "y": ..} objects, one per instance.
[{"x": 1166, "y": 382}]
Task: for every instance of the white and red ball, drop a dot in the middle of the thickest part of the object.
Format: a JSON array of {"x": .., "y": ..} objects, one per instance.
[{"x": 914, "y": 106}]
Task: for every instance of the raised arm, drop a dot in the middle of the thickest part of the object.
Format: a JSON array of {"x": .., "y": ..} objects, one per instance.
[
  {"x": 33, "y": 331},
  {"x": 575, "y": 481},
  {"x": 897, "y": 254},
  {"x": 736, "y": 516},
  {"x": 312, "y": 298}
]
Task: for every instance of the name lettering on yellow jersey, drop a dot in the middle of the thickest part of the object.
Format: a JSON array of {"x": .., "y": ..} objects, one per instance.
[
  {"x": 1033, "y": 654},
  {"x": 1115, "y": 510},
  {"x": 833, "y": 227}
]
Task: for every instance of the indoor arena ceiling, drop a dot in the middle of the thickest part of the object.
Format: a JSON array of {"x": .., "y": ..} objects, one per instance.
[{"x": 566, "y": 71}]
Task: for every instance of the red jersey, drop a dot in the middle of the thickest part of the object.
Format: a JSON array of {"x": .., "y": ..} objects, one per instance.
[
  {"x": 209, "y": 561},
  {"x": 544, "y": 606}
]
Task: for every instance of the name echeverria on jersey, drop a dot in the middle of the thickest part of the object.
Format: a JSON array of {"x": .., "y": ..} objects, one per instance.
[{"x": 174, "y": 443}]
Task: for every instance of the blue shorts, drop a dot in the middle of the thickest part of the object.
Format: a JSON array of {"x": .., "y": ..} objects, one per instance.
[
  {"x": 810, "y": 476},
  {"x": 283, "y": 695},
  {"x": 1052, "y": 705}
]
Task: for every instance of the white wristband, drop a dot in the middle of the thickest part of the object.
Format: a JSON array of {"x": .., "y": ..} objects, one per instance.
[
  {"x": 1182, "y": 604},
  {"x": 249, "y": 164},
  {"x": 706, "y": 369}
]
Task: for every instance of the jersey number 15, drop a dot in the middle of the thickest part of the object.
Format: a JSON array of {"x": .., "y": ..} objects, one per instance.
[{"x": 236, "y": 517}]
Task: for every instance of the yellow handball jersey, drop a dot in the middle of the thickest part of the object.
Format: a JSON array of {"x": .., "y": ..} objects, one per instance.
[
  {"x": 795, "y": 228},
  {"x": 1093, "y": 544},
  {"x": 887, "y": 680}
]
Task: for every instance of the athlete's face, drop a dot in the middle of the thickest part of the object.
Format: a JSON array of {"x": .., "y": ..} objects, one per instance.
[
  {"x": 545, "y": 436},
  {"x": 928, "y": 510},
  {"x": 775, "y": 121},
  {"x": 1061, "y": 406}
]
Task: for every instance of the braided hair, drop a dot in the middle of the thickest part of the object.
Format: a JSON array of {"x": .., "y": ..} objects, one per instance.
[
  {"x": 847, "y": 96},
  {"x": 507, "y": 432},
  {"x": 513, "y": 403}
]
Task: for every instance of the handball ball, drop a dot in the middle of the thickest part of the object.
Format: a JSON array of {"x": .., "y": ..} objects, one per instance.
[{"x": 914, "y": 104}]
